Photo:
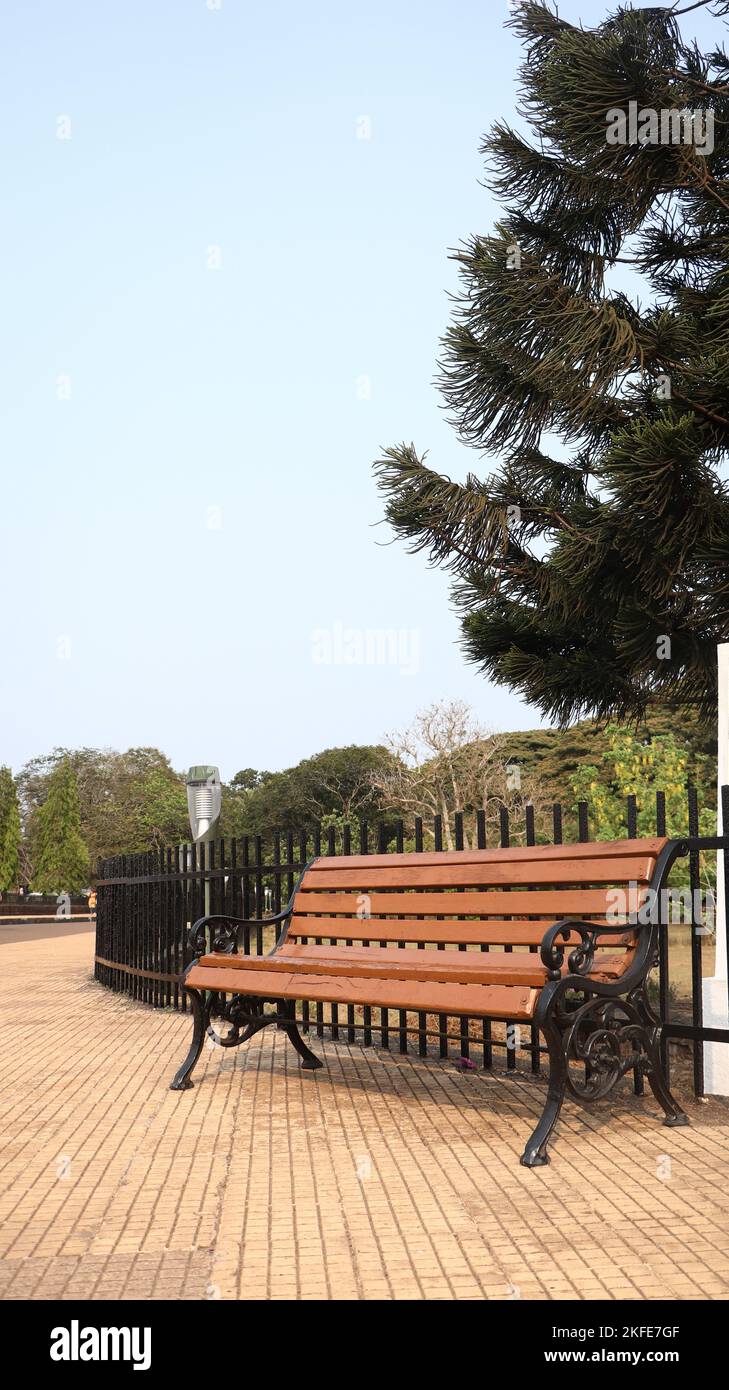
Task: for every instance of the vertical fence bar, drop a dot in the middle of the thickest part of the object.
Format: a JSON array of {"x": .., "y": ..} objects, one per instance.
[
  {"x": 290, "y": 876},
  {"x": 486, "y": 1043},
  {"x": 138, "y": 921},
  {"x": 276, "y": 899},
  {"x": 316, "y": 851},
  {"x": 442, "y": 1018},
  {"x": 632, "y": 829},
  {"x": 511, "y": 1037},
  {"x": 258, "y": 864},
  {"x": 179, "y": 923},
  {"x": 384, "y": 1013},
  {"x": 246, "y": 891},
  {"x": 531, "y": 839},
  {"x": 422, "y": 1017},
  {"x": 351, "y": 1021},
  {"x": 234, "y": 894},
  {"x": 664, "y": 991},
  {"x": 402, "y": 1013},
  {"x": 465, "y": 1023},
  {"x": 334, "y": 1008},
  {"x": 364, "y": 845},
  {"x": 303, "y": 859}
]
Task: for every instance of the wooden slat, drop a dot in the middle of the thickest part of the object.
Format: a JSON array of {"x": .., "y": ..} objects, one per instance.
[
  {"x": 515, "y": 968},
  {"x": 519, "y": 968},
  {"x": 478, "y": 1001},
  {"x": 456, "y": 933},
  {"x": 553, "y": 903},
  {"x": 608, "y": 849},
  {"x": 636, "y": 869}
]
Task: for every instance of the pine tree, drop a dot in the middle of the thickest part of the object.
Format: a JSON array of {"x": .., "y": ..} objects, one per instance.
[
  {"x": 9, "y": 832},
  {"x": 591, "y": 568},
  {"x": 63, "y": 860}
]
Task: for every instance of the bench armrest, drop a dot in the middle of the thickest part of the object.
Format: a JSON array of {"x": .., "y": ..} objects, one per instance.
[
  {"x": 224, "y": 931},
  {"x": 581, "y": 957}
]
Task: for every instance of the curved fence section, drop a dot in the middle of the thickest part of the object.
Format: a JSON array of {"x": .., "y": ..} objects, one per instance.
[{"x": 146, "y": 904}]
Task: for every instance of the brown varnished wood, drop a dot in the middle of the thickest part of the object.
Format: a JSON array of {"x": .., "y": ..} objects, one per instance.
[
  {"x": 475, "y": 1000},
  {"x": 491, "y": 933},
  {"x": 455, "y": 967},
  {"x": 483, "y": 874},
  {"x": 617, "y": 849},
  {"x": 551, "y": 903}
]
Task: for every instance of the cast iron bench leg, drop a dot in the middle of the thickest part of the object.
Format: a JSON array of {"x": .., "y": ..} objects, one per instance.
[
  {"x": 182, "y": 1080},
  {"x": 674, "y": 1115},
  {"x": 309, "y": 1061},
  {"x": 535, "y": 1154}
]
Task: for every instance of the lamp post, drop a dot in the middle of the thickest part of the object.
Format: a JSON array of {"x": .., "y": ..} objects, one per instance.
[{"x": 204, "y": 798}]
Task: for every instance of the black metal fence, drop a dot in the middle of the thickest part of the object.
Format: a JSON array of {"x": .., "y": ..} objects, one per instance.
[{"x": 147, "y": 902}]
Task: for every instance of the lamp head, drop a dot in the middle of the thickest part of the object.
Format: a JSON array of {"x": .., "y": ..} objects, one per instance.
[{"x": 204, "y": 798}]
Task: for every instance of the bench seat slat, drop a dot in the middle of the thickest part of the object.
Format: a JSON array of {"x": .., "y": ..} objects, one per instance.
[
  {"x": 617, "y": 849},
  {"x": 576, "y": 902},
  {"x": 492, "y": 933},
  {"x": 457, "y": 967},
  {"x": 479, "y": 1001},
  {"x": 494, "y": 873}
]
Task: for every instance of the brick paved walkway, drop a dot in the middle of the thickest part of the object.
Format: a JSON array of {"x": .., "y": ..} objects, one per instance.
[{"x": 378, "y": 1177}]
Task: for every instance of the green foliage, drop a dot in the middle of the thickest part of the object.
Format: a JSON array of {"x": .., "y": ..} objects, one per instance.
[
  {"x": 63, "y": 861},
  {"x": 161, "y": 814},
  {"x": 335, "y": 783},
  {"x": 128, "y": 801},
  {"x": 9, "y": 832},
  {"x": 631, "y": 766},
  {"x": 556, "y": 755},
  {"x": 590, "y": 576}
]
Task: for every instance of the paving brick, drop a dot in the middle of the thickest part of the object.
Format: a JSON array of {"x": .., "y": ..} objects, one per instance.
[{"x": 382, "y": 1176}]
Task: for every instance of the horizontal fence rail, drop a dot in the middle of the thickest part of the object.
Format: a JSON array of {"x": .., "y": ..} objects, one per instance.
[{"x": 146, "y": 904}]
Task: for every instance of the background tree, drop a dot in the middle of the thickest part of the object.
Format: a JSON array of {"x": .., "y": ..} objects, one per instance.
[
  {"x": 631, "y": 766},
  {"x": 63, "y": 861},
  {"x": 128, "y": 801},
  {"x": 9, "y": 832},
  {"x": 447, "y": 762},
  {"x": 591, "y": 569},
  {"x": 334, "y": 786}
]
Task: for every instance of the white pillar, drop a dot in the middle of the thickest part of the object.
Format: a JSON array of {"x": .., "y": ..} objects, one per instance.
[{"x": 716, "y": 1008}]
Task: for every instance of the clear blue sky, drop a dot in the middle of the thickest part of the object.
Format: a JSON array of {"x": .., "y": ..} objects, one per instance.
[{"x": 134, "y": 612}]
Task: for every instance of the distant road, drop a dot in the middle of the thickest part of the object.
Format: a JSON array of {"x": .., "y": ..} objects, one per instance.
[{"x": 11, "y": 931}]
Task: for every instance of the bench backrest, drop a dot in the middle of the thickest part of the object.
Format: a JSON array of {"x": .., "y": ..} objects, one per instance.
[{"x": 472, "y": 897}]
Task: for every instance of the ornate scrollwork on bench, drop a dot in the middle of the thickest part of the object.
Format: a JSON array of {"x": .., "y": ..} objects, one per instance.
[
  {"x": 610, "y": 1037},
  {"x": 244, "y": 1014},
  {"x": 223, "y": 934},
  {"x": 581, "y": 958}
]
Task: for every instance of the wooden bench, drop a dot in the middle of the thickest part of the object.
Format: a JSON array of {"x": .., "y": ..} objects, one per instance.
[{"x": 560, "y": 938}]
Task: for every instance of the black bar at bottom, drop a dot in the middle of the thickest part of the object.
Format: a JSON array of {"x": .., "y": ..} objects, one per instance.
[{"x": 686, "y": 1030}]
